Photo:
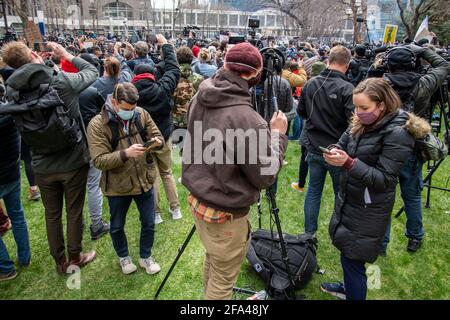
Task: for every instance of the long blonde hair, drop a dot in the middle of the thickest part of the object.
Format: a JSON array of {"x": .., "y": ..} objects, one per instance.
[{"x": 378, "y": 90}]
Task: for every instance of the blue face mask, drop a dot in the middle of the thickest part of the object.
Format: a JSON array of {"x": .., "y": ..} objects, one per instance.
[{"x": 126, "y": 114}]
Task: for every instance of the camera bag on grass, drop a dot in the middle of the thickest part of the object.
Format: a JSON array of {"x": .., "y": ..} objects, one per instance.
[{"x": 265, "y": 257}]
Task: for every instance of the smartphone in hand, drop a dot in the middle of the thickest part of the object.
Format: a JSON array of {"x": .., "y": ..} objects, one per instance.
[
  {"x": 149, "y": 144},
  {"x": 325, "y": 150}
]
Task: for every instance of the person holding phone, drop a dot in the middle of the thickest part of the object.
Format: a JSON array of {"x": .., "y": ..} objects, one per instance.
[
  {"x": 116, "y": 141},
  {"x": 372, "y": 152}
]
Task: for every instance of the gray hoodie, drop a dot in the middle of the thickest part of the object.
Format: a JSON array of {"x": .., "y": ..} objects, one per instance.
[{"x": 224, "y": 103}]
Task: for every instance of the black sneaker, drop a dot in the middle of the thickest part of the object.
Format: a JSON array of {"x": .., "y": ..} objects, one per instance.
[
  {"x": 8, "y": 276},
  {"x": 414, "y": 245},
  {"x": 97, "y": 234},
  {"x": 335, "y": 289}
]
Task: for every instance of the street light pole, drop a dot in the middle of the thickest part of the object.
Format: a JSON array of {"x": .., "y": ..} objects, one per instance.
[{"x": 4, "y": 15}]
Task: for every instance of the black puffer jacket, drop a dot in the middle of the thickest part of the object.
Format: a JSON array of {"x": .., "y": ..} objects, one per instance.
[
  {"x": 367, "y": 191},
  {"x": 156, "y": 97}
]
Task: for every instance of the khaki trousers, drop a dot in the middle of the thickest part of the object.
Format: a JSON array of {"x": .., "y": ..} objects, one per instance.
[
  {"x": 163, "y": 162},
  {"x": 226, "y": 246}
]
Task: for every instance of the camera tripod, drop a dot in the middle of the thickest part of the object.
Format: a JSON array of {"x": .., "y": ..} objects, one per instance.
[{"x": 437, "y": 126}]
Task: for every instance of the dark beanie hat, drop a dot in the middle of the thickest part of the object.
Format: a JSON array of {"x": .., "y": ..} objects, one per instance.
[
  {"x": 400, "y": 57},
  {"x": 243, "y": 53},
  {"x": 143, "y": 68},
  {"x": 360, "y": 50},
  {"x": 87, "y": 57}
]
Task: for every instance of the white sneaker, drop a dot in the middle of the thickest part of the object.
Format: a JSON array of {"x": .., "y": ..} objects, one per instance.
[
  {"x": 176, "y": 214},
  {"x": 150, "y": 265},
  {"x": 179, "y": 180},
  {"x": 127, "y": 265},
  {"x": 158, "y": 218}
]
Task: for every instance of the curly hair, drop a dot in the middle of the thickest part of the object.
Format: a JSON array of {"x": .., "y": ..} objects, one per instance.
[
  {"x": 16, "y": 54},
  {"x": 184, "y": 55}
]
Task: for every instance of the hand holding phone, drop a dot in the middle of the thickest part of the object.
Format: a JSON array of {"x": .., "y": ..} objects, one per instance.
[
  {"x": 152, "y": 143},
  {"x": 325, "y": 150}
]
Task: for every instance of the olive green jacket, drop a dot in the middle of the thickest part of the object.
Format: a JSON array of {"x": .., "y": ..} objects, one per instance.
[{"x": 122, "y": 176}]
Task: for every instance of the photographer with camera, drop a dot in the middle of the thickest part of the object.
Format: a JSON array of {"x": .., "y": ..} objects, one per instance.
[
  {"x": 156, "y": 97},
  {"x": 221, "y": 193},
  {"x": 359, "y": 66},
  {"x": 415, "y": 91},
  {"x": 60, "y": 156},
  {"x": 326, "y": 104}
]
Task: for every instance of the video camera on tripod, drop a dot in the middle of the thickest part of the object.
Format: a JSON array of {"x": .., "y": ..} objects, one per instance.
[{"x": 188, "y": 29}]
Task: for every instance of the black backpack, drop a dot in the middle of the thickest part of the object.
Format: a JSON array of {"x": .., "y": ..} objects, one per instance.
[
  {"x": 43, "y": 120},
  {"x": 115, "y": 135},
  {"x": 265, "y": 257}
]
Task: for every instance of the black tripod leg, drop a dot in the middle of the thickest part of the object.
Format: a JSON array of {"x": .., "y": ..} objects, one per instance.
[
  {"x": 180, "y": 252},
  {"x": 399, "y": 213},
  {"x": 275, "y": 212},
  {"x": 427, "y": 204}
]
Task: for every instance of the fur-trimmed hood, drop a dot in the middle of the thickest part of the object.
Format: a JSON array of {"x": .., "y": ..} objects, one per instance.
[{"x": 417, "y": 126}]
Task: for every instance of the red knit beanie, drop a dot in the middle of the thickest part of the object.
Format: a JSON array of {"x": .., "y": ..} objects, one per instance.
[
  {"x": 195, "y": 51},
  {"x": 243, "y": 53}
]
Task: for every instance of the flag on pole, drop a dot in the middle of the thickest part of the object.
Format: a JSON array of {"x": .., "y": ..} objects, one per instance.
[{"x": 423, "y": 31}]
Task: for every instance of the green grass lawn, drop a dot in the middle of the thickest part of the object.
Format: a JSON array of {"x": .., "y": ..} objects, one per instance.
[{"x": 423, "y": 275}]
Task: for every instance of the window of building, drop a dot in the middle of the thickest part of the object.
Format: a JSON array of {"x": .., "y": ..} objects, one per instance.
[
  {"x": 233, "y": 20},
  {"x": 167, "y": 17},
  {"x": 223, "y": 20},
  {"x": 262, "y": 21},
  {"x": 190, "y": 18},
  {"x": 179, "y": 18},
  {"x": 243, "y": 20},
  {"x": 118, "y": 10},
  {"x": 212, "y": 19},
  {"x": 201, "y": 19},
  {"x": 270, "y": 21}
]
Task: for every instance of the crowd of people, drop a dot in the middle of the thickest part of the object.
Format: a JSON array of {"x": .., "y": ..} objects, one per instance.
[{"x": 99, "y": 119}]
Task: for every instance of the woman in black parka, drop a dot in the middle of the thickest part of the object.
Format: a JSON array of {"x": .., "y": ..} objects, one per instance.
[{"x": 372, "y": 151}]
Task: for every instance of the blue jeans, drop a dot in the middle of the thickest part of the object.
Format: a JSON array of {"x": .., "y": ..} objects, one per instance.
[
  {"x": 118, "y": 207},
  {"x": 318, "y": 169},
  {"x": 11, "y": 196},
  {"x": 296, "y": 128},
  {"x": 355, "y": 279},
  {"x": 411, "y": 186}
]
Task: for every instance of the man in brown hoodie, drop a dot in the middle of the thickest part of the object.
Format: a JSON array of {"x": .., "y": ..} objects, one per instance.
[{"x": 230, "y": 154}]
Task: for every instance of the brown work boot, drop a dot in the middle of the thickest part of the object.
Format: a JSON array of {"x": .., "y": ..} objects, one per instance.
[
  {"x": 83, "y": 259},
  {"x": 34, "y": 194},
  {"x": 61, "y": 267}
]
